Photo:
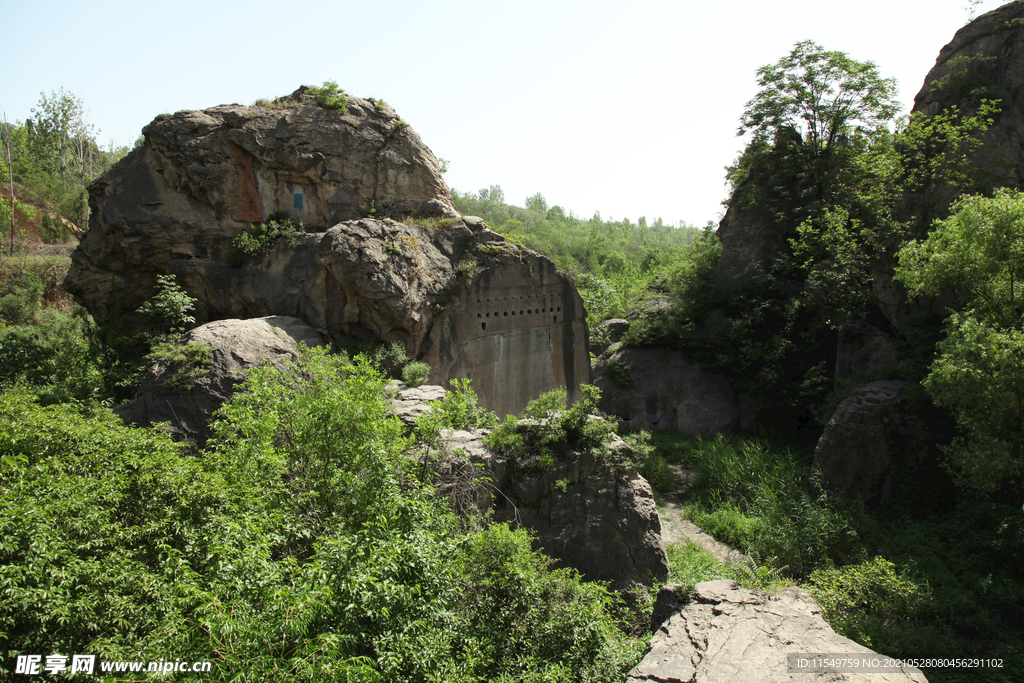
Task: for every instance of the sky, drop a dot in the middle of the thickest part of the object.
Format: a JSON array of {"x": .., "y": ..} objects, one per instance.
[{"x": 630, "y": 109}]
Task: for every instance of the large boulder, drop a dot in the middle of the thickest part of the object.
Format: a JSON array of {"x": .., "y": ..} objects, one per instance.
[
  {"x": 187, "y": 403},
  {"x": 587, "y": 513},
  {"x": 869, "y": 431},
  {"x": 728, "y": 634},
  {"x": 201, "y": 177},
  {"x": 659, "y": 389},
  {"x": 449, "y": 290}
]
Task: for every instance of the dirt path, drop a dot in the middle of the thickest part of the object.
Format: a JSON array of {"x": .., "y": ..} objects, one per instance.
[{"x": 676, "y": 527}]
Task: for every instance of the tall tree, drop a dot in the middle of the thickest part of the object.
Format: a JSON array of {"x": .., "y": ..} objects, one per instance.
[{"x": 821, "y": 94}]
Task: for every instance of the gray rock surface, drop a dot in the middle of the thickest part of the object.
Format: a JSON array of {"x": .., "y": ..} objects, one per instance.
[
  {"x": 235, "y": 345},
  {"x": 667, "y": 392},
  {"x": 604, "y": 523},
  {"x": 608, "y": 332},
  {"x": 449, "y": 290},
  {"x": 202, "y": 176},
  {"x": 751, "y": 237},
  {"x": 728, "y": 634},
  {"x": 855, "y": 454}
]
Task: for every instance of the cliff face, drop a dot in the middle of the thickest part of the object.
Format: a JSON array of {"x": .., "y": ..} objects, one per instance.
[
  {"x": 446, "y": 288},
  {"x": 985, "y": 60}
]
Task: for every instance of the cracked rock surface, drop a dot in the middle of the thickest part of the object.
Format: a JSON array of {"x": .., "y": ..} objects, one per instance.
[{"x": 728, "y": 634}]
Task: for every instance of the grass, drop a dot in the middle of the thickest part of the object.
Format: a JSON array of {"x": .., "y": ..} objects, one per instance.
[
  {"x": 934, "y": 573},
  {"x": 690, "y": 563}
]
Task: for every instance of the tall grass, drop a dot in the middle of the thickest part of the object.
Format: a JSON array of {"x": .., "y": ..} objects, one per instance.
[
  {"x": 907, "y": 579},
  {"x": 757, "y": 498}
]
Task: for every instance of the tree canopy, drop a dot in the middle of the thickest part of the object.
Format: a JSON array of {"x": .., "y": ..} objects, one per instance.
[
  {"x": 821, "y": 94},
  {"x": 978, "y": 252}
]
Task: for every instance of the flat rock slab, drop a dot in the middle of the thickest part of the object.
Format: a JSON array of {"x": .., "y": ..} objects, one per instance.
[{"x": 729, "y": 634}]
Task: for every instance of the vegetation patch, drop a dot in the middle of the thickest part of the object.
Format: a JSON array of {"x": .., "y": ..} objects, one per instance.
[
  {"x": 330, "y": 96},
  {"x": 259, "y": 240},
  {"x": 186, "y": 362},
  {"x": 547, "y": 429},
  {"x": 617, "y": 371},
  {"x": 303, "y": 534}
]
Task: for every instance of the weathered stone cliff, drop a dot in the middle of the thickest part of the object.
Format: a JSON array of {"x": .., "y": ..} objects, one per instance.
[
  {"x": 448, "y": 289},
  {"x": 203, "y": 176},
  {"x": 985, "y": 60},
  {"x": 659, "y": 389}
]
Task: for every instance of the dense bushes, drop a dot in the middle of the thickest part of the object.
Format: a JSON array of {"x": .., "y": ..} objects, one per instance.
[
  {"x": 548, "y": 426},
  {"x": 300, "y": 546}
]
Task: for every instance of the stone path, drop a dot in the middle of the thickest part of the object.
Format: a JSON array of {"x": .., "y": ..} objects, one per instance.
[{"x": 676, "y": 527}]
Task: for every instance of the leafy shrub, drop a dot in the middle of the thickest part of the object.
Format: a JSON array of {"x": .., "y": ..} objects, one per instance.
[
  {"x": 618, "y": 372},
  {"x": 30, "y": 284},
  {"x": 186, "y": 362},
  {"x": 91, "y": 512},
  {"x": 861, "y": 600},
  {"x": 459, "y": 410},
  {"x": 302, "y": 538},
  {"x": 416, "y": 373},
  {"x": 170, "y": 307},
  {"x": 547, "y": 428},
  {"x": 466, "y": 270},
  {"x": 260, "y": 240},
  {"x": 58, "y": 358},
  {"x": 330, "y": 96},
  {"x": 649, "y": 462}
]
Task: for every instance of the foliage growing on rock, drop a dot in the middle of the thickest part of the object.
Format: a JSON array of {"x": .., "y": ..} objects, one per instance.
[{"x": 547, "y": 427}]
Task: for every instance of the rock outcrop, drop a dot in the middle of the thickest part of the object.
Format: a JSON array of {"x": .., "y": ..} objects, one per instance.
[
  {"x": 234, "y": 345},
  {"x": 985, "y": 60},
  {"x": 586, "y": 513},
  {"x": 856, "y": 452},
  {"x": 659, "y": 389},
  {"x": 203, "y": 176},
  {"x": 450, "y": 291},
  {"x": 728, "y": 634},
  {"x": 753, "y": 237}
]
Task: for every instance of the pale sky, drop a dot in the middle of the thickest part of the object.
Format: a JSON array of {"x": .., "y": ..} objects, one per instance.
[{"x": 629, "y": 109}]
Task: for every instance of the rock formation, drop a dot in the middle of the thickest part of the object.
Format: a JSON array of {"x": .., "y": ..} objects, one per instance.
[
  {"x": 234, "y": 345},
  {"x": 985, "y": 61},
  {"x": 728, "y": 634},
  {"x": 869, "y": 429},
  {"x": 658, "y": 389},
  {"x": 586, "y": 513},
  {"x": 751, "y": 236},
  {"x": 452, "y": 292}
]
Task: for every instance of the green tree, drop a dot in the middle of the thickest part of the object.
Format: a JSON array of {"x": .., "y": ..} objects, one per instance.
[
  {"x": 536, "y": 202},
  {"x": 821, "y": 94},
  {"x": 978, "y": 252}
]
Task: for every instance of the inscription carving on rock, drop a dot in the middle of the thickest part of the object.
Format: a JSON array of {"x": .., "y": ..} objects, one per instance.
[{"x": 518, "y": 330}]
